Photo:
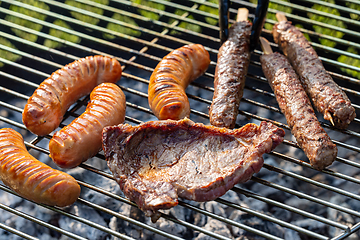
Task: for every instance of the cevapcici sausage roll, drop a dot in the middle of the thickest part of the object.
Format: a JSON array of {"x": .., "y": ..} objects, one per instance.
[
  {"x": 325, "y": 94},
  {"x": 81, "y": 139},
  {"x": 46, "y": 107},
  {"x": 230, "y": 74},
  {"x": 167, "y": 97},
  {"x": 296, "y": 106},
  {"x": 31, "y": 178}
]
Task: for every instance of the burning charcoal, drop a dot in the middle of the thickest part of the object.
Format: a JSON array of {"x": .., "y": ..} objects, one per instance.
[
  {"x": 257, "y": 223},
  {"x": 256, "y": 204},
  {"x": 10, "y": 200},
  {"x": 281, "y": 214},
  {"x": 298, "y": 202},
  {"x": 215, "y": 208},
  {"x": 236, "y": 216},
  {"x": 169, "y": 227},
  {"x": 217, "y": 227},
  {"x": 101, "y": 199},
  {"x": 340, "y": 217},
  {"x": 311, "y": 225},
  {"x": 68, "y": 224},
  {"x": 125, "y": 227},
  {"x": 232, "y": 197},
  {"x": 291, "y": 235},
  {"x": 25, "y": 226},
  {"x": 118, "y": 225},
  {"x": 270, "y": 192},
  {"x": 200, "y": 219}
]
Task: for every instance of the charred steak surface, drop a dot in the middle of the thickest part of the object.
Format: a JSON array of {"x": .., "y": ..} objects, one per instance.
[{"x": 157, "y": 162}]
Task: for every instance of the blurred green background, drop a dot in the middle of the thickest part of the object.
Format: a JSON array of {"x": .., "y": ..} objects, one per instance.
[{"x": 211, "y": 7}]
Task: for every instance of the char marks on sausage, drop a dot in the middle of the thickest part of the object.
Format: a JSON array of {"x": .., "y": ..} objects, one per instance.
[
  {"x": 81, "y": 139},
  {"x": 157, "y": 162},
  {"x": 46, "y": 107},
  {"x": 296, "y": 106},
  {"x": 325, "y": 94},
  {"x": 230, "y": 74},
  {"x": 168, "y": 82},
  {"x": 31, "y": 178}
]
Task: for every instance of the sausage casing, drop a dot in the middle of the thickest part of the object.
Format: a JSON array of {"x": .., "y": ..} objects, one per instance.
[
  {"x": 167, "y": 97},
  {"x": 296, "y": 106},
  {"x": 326, "y": 95},
  {"x": 230, "y": 74},
  {"x": 31, "y": 178},
  {"x": 81, "y": 139},
  {"x": 46, "y": 107}
]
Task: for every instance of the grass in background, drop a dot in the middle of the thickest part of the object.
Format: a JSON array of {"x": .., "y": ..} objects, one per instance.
[
  {"x": 149, "y": 14},
  {"x": 349, "y": 60},
  {"x": 121, "y": 29},
  {"x": 83, "y": 17},
  {"x": 327, "y": 20},
  {"x": 6, "y": 54},
  {"x": 27, "y": 23},
  {"x": 60, "y": 34},
  {"x": 211, "y": 8}
]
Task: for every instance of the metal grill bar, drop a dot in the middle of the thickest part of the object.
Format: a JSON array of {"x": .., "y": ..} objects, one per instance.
[
  {"x": 31, "y": 218},
  {"x": 17, "y": 232},
  {"x": 287, "y": 207},
  {"x": 146, "y": 47}
]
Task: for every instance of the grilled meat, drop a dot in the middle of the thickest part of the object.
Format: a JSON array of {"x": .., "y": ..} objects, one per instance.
[
  {"x": 45, "y": 109},
  {"x": 325, "y": 94},
  {"x": 31, "y": 178},
  {"x": 157, "y": 162},
  {"x": 230, "y": 74},
  {"x": 167, "y": 97},
  {"x": 296, "y": 106},
  {"x": 81, "y": 139}
]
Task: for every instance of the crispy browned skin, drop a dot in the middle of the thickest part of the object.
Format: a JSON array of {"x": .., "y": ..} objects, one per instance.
[
  {"x": 157, "y": 162},
  {"x": 296, "y": 106},
  {"x": 230, "y": 74},
  {"x": 325, "y": 94},
  {"x": 31, "y": 178},
  {"x": 45, "y": 109},
  {"x": 81, "y": 139},
  {"x": 167, "y": 97}
]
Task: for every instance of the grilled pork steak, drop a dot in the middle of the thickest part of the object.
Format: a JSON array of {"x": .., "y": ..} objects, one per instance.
[{"x": 157, "y": 162}]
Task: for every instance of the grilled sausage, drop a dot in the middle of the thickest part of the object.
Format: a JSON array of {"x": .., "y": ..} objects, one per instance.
[
  {"x": 81, "y": 139},
  {"x": 296, "y": 106},
  {"x": 167, "y": 97},
  {"x": 325, "y": 94},
  {"x": 46, "y": 107},
  {"x": 31, "y": 178},
  {"x": 230, "y": 74}
]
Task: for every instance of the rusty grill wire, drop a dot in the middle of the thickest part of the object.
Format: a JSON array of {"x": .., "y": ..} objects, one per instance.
[{"x": 138, "y": 54}]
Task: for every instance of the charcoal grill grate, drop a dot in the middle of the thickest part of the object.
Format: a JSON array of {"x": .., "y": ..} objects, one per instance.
[{"x": 28, "y": 62}]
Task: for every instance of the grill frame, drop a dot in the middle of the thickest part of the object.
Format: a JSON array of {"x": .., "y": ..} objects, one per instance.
[{"x": 145, "y": 51}]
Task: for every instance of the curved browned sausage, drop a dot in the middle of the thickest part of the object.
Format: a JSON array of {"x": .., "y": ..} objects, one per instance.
[
  {"x": 167, "y": 97},
  {"x": 46, "y": 107},
  {"x": 31, "y": 178},
  {"x": 81, "y": 139}
]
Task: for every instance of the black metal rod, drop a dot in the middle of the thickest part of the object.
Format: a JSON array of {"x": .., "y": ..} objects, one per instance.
[
  {"x": 258, "y": 23},
  {"x": 224, "y": 6}
]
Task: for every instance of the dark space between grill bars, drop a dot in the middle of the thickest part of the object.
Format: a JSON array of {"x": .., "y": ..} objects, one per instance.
[{"x": 287, "y": 199}]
